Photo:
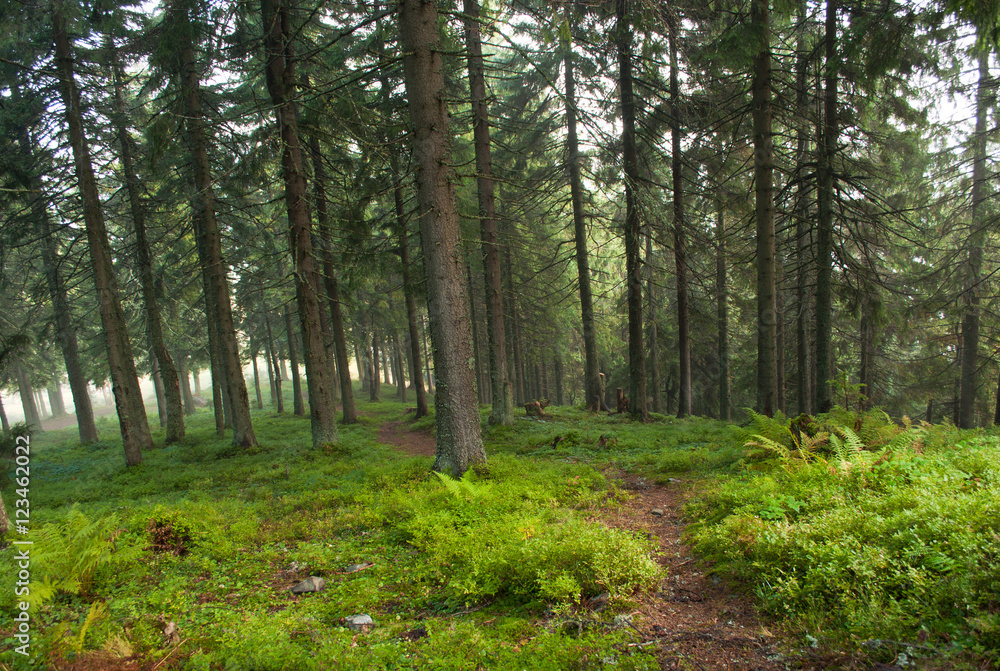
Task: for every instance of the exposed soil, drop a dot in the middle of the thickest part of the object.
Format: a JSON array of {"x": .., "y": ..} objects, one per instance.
[
  {"x": 694, "y": 621},
  {"x": 415, "y": 443}
]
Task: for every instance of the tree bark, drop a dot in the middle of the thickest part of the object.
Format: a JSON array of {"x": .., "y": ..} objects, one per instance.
[
  {"x": 55, "y": 400},
  {"x": 824, "y": 224},
  {"x": 274, "y": 371},
  {"x": 684, "y": 398},
  {"x": 27, "y": 393},
  {"x": 144, "y": 264},
  {"x": 557, "y": 373},
  {"x": 633, "y": 240},
  {"x": 298, "y": 406},
  {"x": 652, "y": 337},
  {"x": 256, "y": 374},
  {"x": 375, "y": 388},
  {"x": 280, "y": 74},
  {"x": 803, "y": 380},
  {"x": 234, "y": 387},
  {"x": 459, "y": 441},
  {"x": 416, "y": 376},
  {"x": 189, "y": 407},
  {"x": 591, "y": 368},
  {"x": 4, "y": 422},
  {"x": 475, "y": 336},
  {"x": 722, "y": 296},
  {"x": 161, "y": 401},
  {"x": 767, "y": 372},
  {"x": 502, "y": 393},
  {"x": 128, "y": 399},
  {"x": 974, "y": 264}
]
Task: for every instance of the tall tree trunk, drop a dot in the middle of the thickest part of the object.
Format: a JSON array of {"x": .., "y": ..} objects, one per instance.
[
  {"x": 557, "y": 373},
  {"x": 280, "y": 71},
  {"x": 166, "y": 369},
  {"x": 478, "y": 363},
  {"x": 633, "y": 240},
  {"x": 427, "y": 357},
  {"x": 502, "y": 408},
  {"x": 684, "y": 398},
  {"x": 185, "y": 382},
  {"x": 65, "y": 333},
  {"x": 459, "y": 441},
  {"x": 158, "y": 391},
  {"x": 375, "y": 383},
  {"x": 298, "y": 406},
  {"x": 973, "y": 288},
  {"x": 722, "y": 296},
  {"x": 125, "y": 382},
  {"x": 767, "y": 336},
  {"x": 804, "y": 370},
  {"x": 27, "y": 393},
  {"x": 255, "y": 350},
  {"x": 55, "y": 400},
  {"x": 400, "y": 368},
  {"x": 416, "y": 376},
  {"x": 221, "y": 315},
  {"x": 652, "y": 338},
  {"x": 591, "y": 370},
  {"x": 274, "y": 369},
  {"x": 824, "y": 224}
]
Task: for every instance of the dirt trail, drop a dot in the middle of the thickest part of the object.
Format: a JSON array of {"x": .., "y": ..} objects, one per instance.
[
  {"x": 415, "y": 443},
  {"x": 695, "y": 621}
]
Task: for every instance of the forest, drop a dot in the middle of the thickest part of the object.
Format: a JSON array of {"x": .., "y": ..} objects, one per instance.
[{"x": 553, "y": 335}]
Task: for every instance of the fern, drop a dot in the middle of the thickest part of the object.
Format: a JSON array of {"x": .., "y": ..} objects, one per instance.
[{"x": 464, "y": 489}]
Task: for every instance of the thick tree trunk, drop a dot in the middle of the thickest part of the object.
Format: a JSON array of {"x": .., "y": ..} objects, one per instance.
[
  {"x": 459, "y": 441},
  {"x": 767, "y": 372},
  {"x": 633, "y": 240},
  {"x": 221, "y": 315},
  {"x": 125, "y": 383},
  {"x": 4, "y": 422},
  {"x": 502, "y": 409},
  {"x": 824, "y": 224},
  {"x": 167, "y": 371},
  {"x": 722, "y": 296},
  {"x": 973, "y": 279},
  {"x": 684, "y": 398},
  {"x": 55, "y": 400},
  {"x": 280, "y": 74},
  {"x": 591, "y": 369}
]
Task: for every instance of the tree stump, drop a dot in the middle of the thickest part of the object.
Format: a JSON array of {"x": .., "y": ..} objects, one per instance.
[
  {"x": 537, "y": 408},
  {"x": 622, "y": 401}
]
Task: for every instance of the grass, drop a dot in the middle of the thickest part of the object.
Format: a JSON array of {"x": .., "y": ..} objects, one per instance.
[{"x": 478, "y": 573}]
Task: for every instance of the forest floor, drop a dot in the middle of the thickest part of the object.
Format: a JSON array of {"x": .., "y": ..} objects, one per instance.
[{"x": 695, "y": 620}]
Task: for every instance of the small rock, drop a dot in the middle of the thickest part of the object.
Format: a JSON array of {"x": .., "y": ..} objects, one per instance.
[
  {"x": 716, "y": 579},
  {"x": 354, "y": 568},
  {"x": 294, "y": 567},
  {"x": 657, "y": 511},
  {"x": 672, "y": 480},
  {"x": 359, "y": 622},
  {"x": 311, "y": 584}
]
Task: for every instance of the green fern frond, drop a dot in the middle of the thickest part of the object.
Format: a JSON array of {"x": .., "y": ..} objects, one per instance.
[{"x": 462, "y": 490}]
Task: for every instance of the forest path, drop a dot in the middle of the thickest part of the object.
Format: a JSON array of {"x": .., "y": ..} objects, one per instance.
[
  {"x": 414, "y": 443},
  {"x": 695, "y": 621}
]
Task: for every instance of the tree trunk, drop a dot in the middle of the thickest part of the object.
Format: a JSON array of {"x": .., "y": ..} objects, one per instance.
[
  {"x": 56, "y": 400},
  {"x": 557, "y": 373},
  {"x": 722, "y": 296},
  {"x": 298, "y": 406},
  {"x": 157, "y": 380},
  {"x": 4, "y": 422},
  {"x": 411, "y": 307},
  {"x": 274, "y": 370},
  {"x": 400, "y": 368},
  {"x": 375, "y": 383},
  {"x": 579, "y": 223},
  {"x": 803, "y": 381},
  {"x": 256, "y": 374},
  {"x": 234, "y": 388},
  {"x": 167, "y": 371},
  {"x": 501, "y": 390},
  {"x": 27, "y": 393},
  {"x": 459, "y": 442},
  {"x": 767, "y": 372},
  {"x": 280, "y": 74},
  {"x": 189, "y": 407},
  {"x": 973, "y": 288},
  {"x": 125, "y": 383},
  {"x": 684, "y": 398},
  {"x": 652, "y": 338},
  {"x": 824, "y": 223},
  {"x": 427, "y": 358},
  {"x": 633, "y": 240},
  {"x": 478, "y": 363}
]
